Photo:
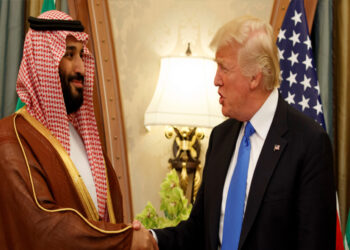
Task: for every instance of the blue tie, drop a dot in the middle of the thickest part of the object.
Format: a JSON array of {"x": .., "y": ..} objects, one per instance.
[{"x": 236, "y": 194}]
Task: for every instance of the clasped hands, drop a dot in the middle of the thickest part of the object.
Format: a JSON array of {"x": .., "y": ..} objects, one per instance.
[{"x": 142, "y": 238}]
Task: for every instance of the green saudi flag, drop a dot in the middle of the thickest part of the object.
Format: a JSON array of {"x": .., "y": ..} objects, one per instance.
[
  {"x": 47, "y": 5},
  {"x": 347, "y": 234}
]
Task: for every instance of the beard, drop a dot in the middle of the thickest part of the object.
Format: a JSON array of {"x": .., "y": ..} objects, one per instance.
[{"x": 72, "y": 100}]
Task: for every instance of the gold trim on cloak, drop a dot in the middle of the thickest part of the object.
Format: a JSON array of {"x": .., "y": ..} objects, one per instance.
[
  {"x": 109, "y": 202},
  {"x": 83, "y": 193}
]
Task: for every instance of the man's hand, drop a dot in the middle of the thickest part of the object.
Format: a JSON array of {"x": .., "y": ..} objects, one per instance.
[
  {"x": 142, "y": 238},
  {"x": 136, "y": 225}
]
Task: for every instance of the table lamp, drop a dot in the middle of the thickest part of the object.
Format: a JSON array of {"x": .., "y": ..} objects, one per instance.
[{"x": 186, "y": 100}]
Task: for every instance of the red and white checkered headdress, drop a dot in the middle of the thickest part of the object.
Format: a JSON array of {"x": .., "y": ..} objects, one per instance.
[{"x": 39, "y": 87}]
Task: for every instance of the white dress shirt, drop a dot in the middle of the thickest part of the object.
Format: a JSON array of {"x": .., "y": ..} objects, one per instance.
[
  {"x": 261, "y": 122},
  {"x": 80, "y": 159}
]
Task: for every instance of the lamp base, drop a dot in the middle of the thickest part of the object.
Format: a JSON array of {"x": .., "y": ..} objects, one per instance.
[{"x": 186, "y": 149}]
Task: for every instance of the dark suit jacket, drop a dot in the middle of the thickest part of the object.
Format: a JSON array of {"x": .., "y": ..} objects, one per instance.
[{"x": 291, "y": 204}]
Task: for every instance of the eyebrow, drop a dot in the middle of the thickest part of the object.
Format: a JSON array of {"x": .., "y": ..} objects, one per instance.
[
  {"x": 72, "y": 47},
  {"x": 220, "y": 61}
]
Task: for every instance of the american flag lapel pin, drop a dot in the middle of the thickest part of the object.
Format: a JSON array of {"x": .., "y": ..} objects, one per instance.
[{"x": 276, "y": 147}]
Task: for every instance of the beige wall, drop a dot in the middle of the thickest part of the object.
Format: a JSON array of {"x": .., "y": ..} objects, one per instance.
[{"x": 144, "y": 31}]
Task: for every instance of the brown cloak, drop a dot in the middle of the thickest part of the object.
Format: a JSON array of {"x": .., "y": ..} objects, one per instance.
[{"x": 44, "y": 203}]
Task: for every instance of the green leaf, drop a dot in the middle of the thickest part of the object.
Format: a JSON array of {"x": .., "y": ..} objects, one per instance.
[
  {"x": 174, "y": 205},
  {"x": 148, "y": 217}
]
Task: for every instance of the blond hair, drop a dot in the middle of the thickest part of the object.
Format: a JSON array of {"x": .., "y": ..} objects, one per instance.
[{"x": 257, "y": 52}]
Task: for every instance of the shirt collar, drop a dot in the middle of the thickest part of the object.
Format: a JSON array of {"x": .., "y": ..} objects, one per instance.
[{"x": 262, "y": 119}]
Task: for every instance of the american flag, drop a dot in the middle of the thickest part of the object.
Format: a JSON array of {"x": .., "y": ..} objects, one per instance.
[
  {"x": 299, "y": 84},
  {"x": 298, "y": 76}
]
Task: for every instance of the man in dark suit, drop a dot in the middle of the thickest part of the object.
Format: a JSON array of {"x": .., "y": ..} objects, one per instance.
[{"x": 288, "y": 189}]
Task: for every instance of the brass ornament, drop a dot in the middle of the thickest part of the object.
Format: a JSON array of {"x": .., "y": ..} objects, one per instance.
[{"x": 186, "y": 150}]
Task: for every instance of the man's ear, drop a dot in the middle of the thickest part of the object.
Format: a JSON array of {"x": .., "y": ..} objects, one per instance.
[{"x": 256, "y": 80}]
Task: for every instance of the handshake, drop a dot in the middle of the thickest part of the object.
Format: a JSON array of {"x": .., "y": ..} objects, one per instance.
[{"x": 142, "y": 238}]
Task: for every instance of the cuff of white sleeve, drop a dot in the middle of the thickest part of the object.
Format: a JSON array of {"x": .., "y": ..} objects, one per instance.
[{"x": 154, "y": 235}]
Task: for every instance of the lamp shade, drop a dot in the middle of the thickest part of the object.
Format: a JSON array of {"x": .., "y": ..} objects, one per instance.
[{"x": 185, "y": 94}]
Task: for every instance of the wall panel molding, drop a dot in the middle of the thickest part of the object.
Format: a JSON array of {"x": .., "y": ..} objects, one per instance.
[{"x": 279, "y": 10}]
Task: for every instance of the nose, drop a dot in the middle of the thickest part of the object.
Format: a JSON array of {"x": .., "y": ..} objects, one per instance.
[
  {"x": 217, "y": 79},
  {"x": 79, "y": 66}
]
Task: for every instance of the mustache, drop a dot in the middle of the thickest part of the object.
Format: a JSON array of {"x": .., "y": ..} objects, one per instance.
[{"x": 78, "y": 77}]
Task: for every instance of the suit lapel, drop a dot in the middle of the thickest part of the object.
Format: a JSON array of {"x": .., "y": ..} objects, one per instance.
[{"x": 270, "y": 154}]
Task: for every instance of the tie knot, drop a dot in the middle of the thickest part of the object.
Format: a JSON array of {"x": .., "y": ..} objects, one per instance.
[{"x": 249, "y": 130}]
